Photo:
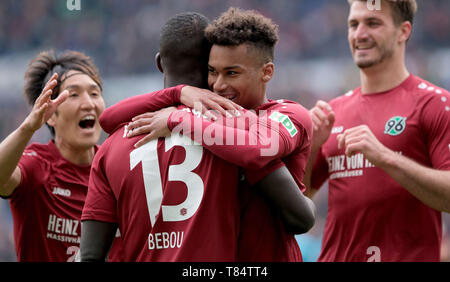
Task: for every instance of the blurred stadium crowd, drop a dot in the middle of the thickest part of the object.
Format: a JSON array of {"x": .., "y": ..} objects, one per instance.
[{"x": 312, "y": 57}]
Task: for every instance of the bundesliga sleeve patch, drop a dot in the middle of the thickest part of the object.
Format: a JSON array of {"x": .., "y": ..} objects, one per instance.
[{"x": 285, "y": 121}]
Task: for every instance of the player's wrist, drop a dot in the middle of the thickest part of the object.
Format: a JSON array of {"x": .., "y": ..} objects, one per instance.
[
  {"x": 176, "y": 94},
  {"x": 387, "y": 159},
  {"x": 26, "y": 129}
]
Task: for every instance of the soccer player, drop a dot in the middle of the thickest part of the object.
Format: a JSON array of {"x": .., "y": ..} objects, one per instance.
[
  {"x": 47, "y": 183},
  {"x": 172, "y": 200},
  {"x": 384, "y": 148},
  {"x": 240, "y": 66}
]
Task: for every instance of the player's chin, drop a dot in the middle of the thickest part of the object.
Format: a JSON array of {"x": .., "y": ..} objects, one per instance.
[
  {"x": 365, "y": 63},
  {"x": 89, "y": 138}
]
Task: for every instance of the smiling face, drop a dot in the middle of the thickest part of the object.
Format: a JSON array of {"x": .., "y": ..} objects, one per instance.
[
  {"x": 372, "y": 35},
  {"x": 237, "y": 73},
  {"x": 76, "y": 119}
]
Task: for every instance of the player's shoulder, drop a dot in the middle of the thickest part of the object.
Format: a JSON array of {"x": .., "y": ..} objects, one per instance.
[
  {"x": 45, "y": 152},
  {"x": 287, "y": 106},
  {"x": 423, "y": 87},
  {"x": 428, "y": 94},
  {"x": 119, "y": 133},
  {"x": 282, "y": 109},
  {"x": 346, "y": 97}
]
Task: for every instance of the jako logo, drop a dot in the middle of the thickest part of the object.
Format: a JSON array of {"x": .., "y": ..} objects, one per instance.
[
  {"x": 73, "y": 5},
  {"x": 374, "y": 5},
  {"x": 61, "y": 191}
]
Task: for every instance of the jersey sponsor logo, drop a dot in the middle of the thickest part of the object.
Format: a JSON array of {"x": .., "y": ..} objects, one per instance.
[
  {"x": 342, "y": 166},
  {"x": 337, "y": 129},
  {"x": 61, "y": 192},
  {"x": 62, "y": 225},
  {"x": 395, "y": 126},
  {"x": 63, "y": 230},
  {"x": 285, "y": 121},
  {"x": 30, "y": 153}
]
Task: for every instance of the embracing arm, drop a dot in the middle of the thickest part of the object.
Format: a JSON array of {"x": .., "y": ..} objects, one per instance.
[
  {"x": 249, "y": 141},
  {"x": 96, "y": 239},
  {"x": 297, "y": 211},
  {"x": 200, "y": 99},
  {"x": 128, "y": 108}
]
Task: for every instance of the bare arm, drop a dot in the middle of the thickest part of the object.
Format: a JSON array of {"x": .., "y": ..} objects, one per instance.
[
  {"x": 12, "y": 148},
  {"x": 297, "y": 211}
]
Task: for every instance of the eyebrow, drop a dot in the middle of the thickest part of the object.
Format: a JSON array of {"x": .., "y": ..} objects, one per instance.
[
  {"x": 364, "y": 19},
  {"x": 77, "y": 86},
  {"x": 227, "y": 68}
]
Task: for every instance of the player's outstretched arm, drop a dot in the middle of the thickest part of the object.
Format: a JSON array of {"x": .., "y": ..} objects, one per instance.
[
  {"x": 297, "y": 211},
  {"x": 12, "y": 148},
  {"x": 96, "y": 240}
]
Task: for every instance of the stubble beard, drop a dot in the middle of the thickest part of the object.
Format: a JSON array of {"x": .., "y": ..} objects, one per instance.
[{"x": 384, "y": 54}]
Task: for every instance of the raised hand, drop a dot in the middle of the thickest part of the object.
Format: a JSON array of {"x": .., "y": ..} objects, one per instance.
[
  {"x": 323, "y": 118},
  {"x": 44, "y": 106},
  {"x": 360, "y": 139}
]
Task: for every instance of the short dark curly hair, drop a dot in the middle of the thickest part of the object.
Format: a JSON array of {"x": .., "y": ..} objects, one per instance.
[{"x": 237, "y": 26}]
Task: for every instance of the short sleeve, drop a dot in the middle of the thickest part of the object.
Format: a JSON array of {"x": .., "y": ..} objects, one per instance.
[
  {"x": 32, "y": 169},
  {"x": 435, "y": 122},
  {"x": 100, "y": 202}
]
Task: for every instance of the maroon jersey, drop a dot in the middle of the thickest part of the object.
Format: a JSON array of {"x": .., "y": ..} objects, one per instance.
[
  {"x": 257, "y": 144},
  {"x": 278, "y": 130},
  {"x": 172, "y": 200},
  {"x": 370, "y": 216},
  {"x": 46, "y": 206}
]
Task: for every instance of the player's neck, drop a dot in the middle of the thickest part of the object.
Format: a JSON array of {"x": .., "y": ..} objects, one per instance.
[
  {"x": 171, "y": 81},
  {"x": 77, "y": 156},
  {"x": 383, "y": 77}
]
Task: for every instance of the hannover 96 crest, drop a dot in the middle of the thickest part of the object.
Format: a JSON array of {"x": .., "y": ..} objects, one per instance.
[{"x": 395, "y": 126}]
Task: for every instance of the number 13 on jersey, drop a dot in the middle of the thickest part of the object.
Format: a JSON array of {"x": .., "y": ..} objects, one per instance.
[{"x": 148, "y": 156}]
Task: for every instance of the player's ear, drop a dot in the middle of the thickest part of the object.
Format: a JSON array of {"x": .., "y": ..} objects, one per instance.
[
  {"x": 405, "y": 31},
  {"x": 158, "y": 62},
  {"x": 268, "y": 70}
]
